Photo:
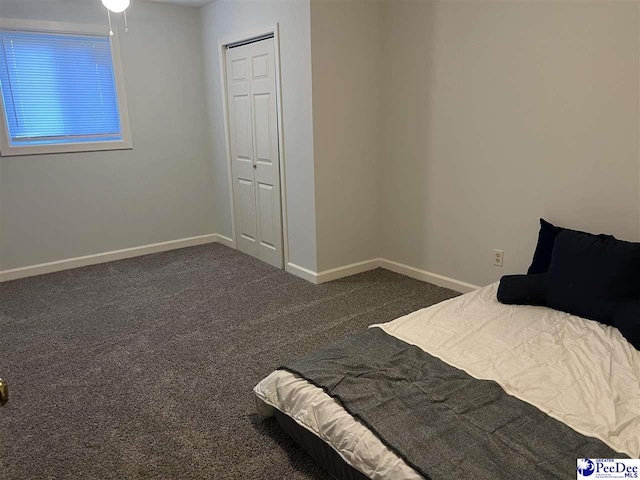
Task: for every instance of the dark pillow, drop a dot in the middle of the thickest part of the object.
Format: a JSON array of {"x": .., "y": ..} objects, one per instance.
[
  {"x": 592, "y": 276},
  {"x": 523, "y": 289},
  {"x": 627, "y": 320},
  {"x": 544, "y": 249}
]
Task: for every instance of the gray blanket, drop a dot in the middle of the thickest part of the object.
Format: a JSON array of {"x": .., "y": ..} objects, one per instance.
[{"x": 440, "y": 420}]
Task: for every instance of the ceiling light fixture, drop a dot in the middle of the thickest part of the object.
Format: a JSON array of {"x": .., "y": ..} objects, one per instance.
[{"x": 117, "y": 6}]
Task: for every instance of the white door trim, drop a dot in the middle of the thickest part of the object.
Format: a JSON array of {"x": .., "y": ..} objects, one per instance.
[{"x": 222, "y": 58}]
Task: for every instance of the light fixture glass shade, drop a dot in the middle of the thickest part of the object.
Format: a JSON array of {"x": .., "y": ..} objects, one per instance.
[{"x": 116, "y": 6}]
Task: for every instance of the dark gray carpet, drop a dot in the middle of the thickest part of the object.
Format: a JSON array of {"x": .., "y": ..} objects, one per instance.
[{"x": 143, "y": 368}]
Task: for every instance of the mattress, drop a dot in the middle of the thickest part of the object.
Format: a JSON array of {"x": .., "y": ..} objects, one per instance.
[{"x": 578, "y": 371}]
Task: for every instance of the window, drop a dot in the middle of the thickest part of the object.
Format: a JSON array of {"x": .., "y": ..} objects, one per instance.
[{"x": 60, "y": 93}]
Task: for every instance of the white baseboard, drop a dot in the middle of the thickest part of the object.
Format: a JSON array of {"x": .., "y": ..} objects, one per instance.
[
  {"x": 440, "y": 280},
  {"x": 69, "y": 263},
  {"x": 347, "y": 270},
  {"x": 304, "y": 273},
  {"x": 225, "y": 240},
  {"x": 354, "y": 268},
  {"x": 332, "y": 274}
]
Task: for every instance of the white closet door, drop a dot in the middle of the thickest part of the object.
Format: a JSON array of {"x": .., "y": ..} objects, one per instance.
[{"x": 255, "y": 162}]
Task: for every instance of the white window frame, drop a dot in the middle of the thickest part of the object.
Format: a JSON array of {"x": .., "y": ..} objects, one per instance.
[{"x": 8, "y": 150}]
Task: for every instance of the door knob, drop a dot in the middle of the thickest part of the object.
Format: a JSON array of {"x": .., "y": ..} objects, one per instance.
[
  {"x": 4, "y": 392},
  {"x": 255, "y": 166}
]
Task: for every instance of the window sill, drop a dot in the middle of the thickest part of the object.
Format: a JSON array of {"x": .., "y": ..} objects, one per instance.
[{"x": 12, "y": 151}]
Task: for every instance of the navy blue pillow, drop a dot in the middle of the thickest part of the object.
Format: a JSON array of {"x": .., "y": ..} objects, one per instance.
[
  {"x": 593, "y": 276},
  {"x": 544, "y": 249},
  {"x": 523, "y": 289},
  {"x": 627, "y": 320}
]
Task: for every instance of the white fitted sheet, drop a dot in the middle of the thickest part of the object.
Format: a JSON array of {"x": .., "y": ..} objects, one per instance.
[{"x": 578, "y": 371}]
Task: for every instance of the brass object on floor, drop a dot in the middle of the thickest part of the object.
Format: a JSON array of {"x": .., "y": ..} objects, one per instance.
[{"x": 4, "y": 393}]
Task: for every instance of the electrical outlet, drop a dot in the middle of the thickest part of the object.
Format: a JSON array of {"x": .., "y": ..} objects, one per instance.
[{"x": 498, "y": 258}]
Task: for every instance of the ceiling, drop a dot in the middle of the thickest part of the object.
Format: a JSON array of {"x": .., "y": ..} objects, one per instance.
[{"x": 186, "y": 3}]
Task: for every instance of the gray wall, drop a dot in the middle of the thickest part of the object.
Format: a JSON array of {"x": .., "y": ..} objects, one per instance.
[
  {"x": 226, "y": 18},
  {"x": 444, "y": 136},
  {"x": 347, "y": 67},
  {"x": 497, "y": 113},
  {"x": 54, "y": 207}
]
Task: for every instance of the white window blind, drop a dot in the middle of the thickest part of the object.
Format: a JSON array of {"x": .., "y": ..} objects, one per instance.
[{"x": 58, "y": 88}]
